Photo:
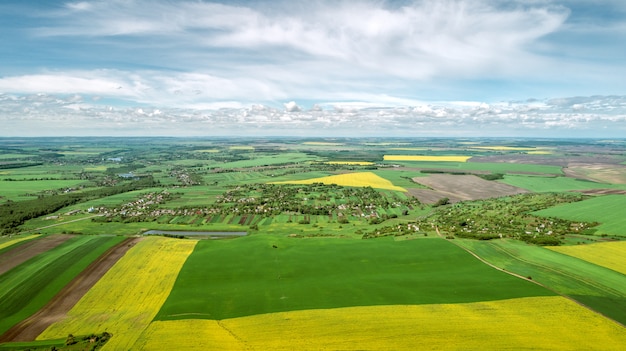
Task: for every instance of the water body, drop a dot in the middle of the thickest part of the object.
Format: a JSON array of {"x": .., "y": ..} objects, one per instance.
[{"x": 212, "y": 235}]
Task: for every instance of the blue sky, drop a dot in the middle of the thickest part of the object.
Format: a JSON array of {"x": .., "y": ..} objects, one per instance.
[{"x": 544, "y": 68}]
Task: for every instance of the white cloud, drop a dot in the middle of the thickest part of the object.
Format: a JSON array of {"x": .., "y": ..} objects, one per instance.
[{"x": 41, "y": 114}]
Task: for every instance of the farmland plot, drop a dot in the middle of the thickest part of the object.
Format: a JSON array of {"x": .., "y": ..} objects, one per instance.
[
  {"x": 607, "y": 210},
  {"x": 127, "y": 297},
  {"x": 523, "y": 323},
  {"x": 611, "y": 255},
  {"x": 29, "y": 286},
  {"x": 461, "y": 188},
  {"x": 264, "y": 274},
  {"x": 361, "y": 179}
]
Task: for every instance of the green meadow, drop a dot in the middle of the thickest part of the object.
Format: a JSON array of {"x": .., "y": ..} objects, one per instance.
[{"x": 264, "y": 274}]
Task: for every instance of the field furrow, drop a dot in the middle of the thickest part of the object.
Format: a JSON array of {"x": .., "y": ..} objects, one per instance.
[{"x": 129, "y": 295}]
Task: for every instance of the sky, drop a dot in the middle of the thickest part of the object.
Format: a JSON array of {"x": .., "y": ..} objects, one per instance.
[{"x": 456, "y": 68}]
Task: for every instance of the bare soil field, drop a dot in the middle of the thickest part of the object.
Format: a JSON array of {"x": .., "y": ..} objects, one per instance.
[
  {"x": 460, "y": 188},
  {"x": 597, "y": 172},
  {"x": 30, "y": 249},
  {"x": 56, "y": 309}
]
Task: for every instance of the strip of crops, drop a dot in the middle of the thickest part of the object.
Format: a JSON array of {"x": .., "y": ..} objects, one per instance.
[
  {"x": 128, "y": 296},
  {"x": 608, "y": 210},
  {"x": 265, "y": 274},
  {"x": 29, "y": 286},
  {"x": 524, "y": 323},
  {"x": 10, "y": 242},
  {"x": 611, "y": 255},
  {"x": 602, "y": 289}
]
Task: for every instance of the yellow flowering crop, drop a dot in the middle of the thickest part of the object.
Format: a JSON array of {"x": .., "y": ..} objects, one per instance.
[
  {"x": 129, "y": 295},
  {"x": 426, "y": 158},
  {"x": 360, "y": 179},
  {"x": 17, "y": 240},
  {"x": 536, "y": 323},
  {"x": 322, "y": 143},
  {"x": 611, "y": 255}
]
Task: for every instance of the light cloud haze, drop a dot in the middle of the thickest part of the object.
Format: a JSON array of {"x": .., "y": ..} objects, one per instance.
[{"x": 202, "y": 68}]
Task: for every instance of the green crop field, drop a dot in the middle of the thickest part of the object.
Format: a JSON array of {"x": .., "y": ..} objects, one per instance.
[
  {"x": 264, "y": 274},
  {"x": 600, "y": 288},
  {"x": 479, "y": 166},
  {"x": 23, "y": 190},
  {"x": 608, "y": 210},
  {"x": 551, "y": 184},
  {"x": 266, "y": 160},
  {"x": 29, "y": 286}
]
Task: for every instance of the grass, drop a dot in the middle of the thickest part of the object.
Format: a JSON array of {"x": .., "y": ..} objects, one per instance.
[
  {"x": 607, "y": 210},
  {"x": 426, "y": 158},
  {"x": 602, "y": 289},
  {"x": 611, "y": 255},
  {"x": 359, "y": 179},
  {"x": 267, "y": 160},
  {"x": 127, "y": 297},
  {"x": 29, "y": 286},
  {"x": 532, "y": 323},
  {"x": 250, "y": 276}
]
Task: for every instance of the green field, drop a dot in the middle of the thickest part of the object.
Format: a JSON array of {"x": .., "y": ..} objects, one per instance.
[
  {"x": 551, "y": 184},
  {"x": 608, "y": 210},
  {"x": 264, "y": 274},
  {"x": 29, "y": 286},
  {"x": 600, "y": 288},
  {"x": 480, "y": 166},
  {"x": 23, "y": 190}
]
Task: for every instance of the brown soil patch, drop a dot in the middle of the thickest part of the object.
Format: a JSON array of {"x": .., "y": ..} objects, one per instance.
[
  {"x": 57, "y": 308},
  {"x": 602, "y": 192},
  {"x": 460, "y": 188},
  {"x": 30, "y": 249}
]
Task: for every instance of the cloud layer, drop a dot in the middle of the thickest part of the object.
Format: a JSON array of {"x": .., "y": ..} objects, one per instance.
[
  {"x": 374, "y": 64},
  {"x": 598, "y": 116}
]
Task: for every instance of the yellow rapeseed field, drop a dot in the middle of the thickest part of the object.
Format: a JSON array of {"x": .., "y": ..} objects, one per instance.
[
  {"x": 129, "y": 295},
  {"x": 540, "y": 152},
  {"x": 241, "y": 147},
  {"x": 426, "y": 158},
  {"x": 611, "y": 255},
  {"x": 536, "y": 323},
  {"x": 17, "y": 240},
  {"x": 360, "y": 179},
  {"x": 350, "y": 163}
]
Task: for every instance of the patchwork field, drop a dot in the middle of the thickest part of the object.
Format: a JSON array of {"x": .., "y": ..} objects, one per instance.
[
  {"x": 29, "y": 286},
  {"x": 339, "y": 253},
  {"x": 129, "y": 295},
  {"x": 511, "y": 324},
  {"x": 611, "y": 255},
  {"x": 426, "y": 158},
  {"x": 361, "y": 179},
  {"x": 460, "y": 188}
]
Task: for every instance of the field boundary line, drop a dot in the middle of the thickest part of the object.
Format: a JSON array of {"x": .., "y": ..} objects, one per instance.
[{"x": 526, "y": 278}]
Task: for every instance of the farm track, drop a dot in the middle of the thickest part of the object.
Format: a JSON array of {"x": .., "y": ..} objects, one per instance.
[
  {"x": 30, "y": 249},
  {"x": 533, "y": 281},
  {"x": 61, "y": 303}
]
